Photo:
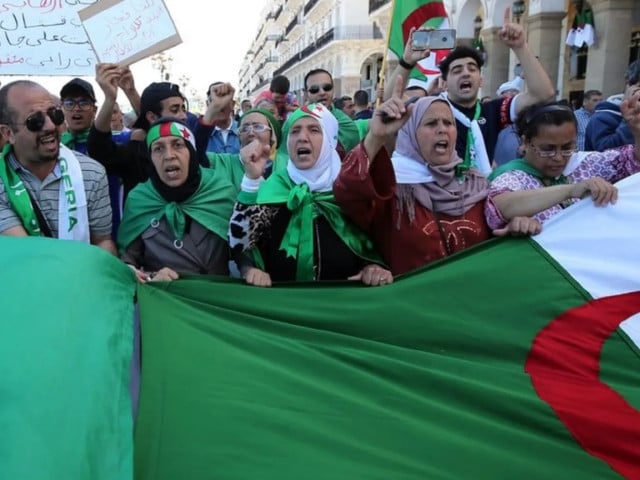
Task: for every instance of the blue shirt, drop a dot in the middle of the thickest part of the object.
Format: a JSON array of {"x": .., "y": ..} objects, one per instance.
[{"x": 218, "y": 145}]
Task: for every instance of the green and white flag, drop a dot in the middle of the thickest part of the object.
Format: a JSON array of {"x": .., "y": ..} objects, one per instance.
[{"x": 514, "y": 359}]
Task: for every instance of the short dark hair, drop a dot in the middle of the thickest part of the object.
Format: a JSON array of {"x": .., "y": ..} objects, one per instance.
[
  {"x": 592, "y": 93},
  {"x": 461, "y": 51},
  {"x": 314, "y": 72},
  {"x": 280, "y": 84},
  {"x": 338, "y": 103},
  {"x": 633, "y": 73},
  {"x": 532, "y": 117},
  {"x": 361, "y": 98},
  {"x": 7, "y": 112}
]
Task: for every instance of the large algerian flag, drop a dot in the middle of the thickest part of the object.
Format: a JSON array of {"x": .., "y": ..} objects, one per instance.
[
  {"x": 66, "y": 330},
  {"x": 407, "y": 14},
  {"x": 515, "y": 359}
]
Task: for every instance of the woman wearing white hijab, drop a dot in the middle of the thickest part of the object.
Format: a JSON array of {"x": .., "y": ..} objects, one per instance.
[
  {"x": 423, "y": 203},
  {"x": 290, "y": 222}
]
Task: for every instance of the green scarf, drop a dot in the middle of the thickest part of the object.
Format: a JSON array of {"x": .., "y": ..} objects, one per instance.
[
  {"x": 211, "y": 206},
  {"x": 462, "y": 168},
  {"x": 348, "y": 133},
  {"x": 305, "y": 206},
  {"x": 72, "y": 140},
  {"x": 524, "y": 166},
  {"x": 19, "y": 198}
]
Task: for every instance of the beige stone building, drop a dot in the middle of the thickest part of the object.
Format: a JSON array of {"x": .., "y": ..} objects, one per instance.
[{"x": 348, "y": 38}]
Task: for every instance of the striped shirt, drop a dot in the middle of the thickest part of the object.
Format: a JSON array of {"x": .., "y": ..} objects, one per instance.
[{"x": 46, "y": 194}]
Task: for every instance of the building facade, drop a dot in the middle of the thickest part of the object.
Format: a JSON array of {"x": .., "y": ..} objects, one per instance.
[{"x": 348, "y": 38}]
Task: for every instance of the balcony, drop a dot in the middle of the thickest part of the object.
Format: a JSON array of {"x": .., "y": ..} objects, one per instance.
[
  {"x": 376, "y": 4},
  {"x": 309, "y": 5},
  {"x": 291, "y": 26},
  {"x": 357, "y": 32},
  {"x": 324, "y": 39},
  {"x": 274, "y": 14}
]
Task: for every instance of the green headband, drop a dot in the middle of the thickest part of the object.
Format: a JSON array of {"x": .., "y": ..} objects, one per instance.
[{"x": 170, "y": 129}]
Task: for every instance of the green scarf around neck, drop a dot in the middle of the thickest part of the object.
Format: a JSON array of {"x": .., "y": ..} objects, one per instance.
[
  {"x": 19, "y": 198},
  {"x": 211, "y": 206},
  {"x": 462, "y": 168},
  {"x": 72, "y": 140},
  {"x": 305, "y": 206},
  {"x": 524, "y": 166}
]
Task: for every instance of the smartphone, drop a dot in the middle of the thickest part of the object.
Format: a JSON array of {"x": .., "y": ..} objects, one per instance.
[{"x": 434, "y": 39}]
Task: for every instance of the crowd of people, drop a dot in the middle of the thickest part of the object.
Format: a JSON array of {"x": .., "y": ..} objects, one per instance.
[{"x": 325, "y": 189}]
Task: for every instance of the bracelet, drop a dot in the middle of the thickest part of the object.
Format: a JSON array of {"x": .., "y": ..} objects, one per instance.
[{"x": 405, "y": 65}]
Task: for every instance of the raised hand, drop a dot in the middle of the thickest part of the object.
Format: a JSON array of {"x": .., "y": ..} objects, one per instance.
[
  {"x": 254, "y": 157},
  {"x": 511, "y": 34},
  {"x": 220, "y": 97},
  {"x": 412, "y": 56},
  {"x": 126, "y": 81},
  {"x": 389, "y": 117},
  {"x": 108, "y": 75}
]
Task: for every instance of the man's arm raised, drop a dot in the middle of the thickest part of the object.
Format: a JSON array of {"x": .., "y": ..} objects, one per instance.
[{"x": 539, "y": 86}]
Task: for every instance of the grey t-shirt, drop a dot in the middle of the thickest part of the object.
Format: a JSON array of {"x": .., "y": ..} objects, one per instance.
[{"x": 46, "y": 194}]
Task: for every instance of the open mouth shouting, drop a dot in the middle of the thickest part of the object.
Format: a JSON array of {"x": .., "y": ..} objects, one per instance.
[
  {"x": 442, "y": 146},
  {"x": 303, "y": 153},
  {"x": 172, "y": 171},
  {"x": 466, "y": 86}
]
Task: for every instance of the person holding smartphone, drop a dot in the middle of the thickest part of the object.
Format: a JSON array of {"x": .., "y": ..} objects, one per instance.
[{"x": 478, "y": 124}]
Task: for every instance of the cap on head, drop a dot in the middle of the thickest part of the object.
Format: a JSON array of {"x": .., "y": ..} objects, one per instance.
[
  {"x": 170, "y": 127},
  {"x": 77, "y": 86},
  {"x": 506, "y": 86},
  {"x": 151, "y": 97}
]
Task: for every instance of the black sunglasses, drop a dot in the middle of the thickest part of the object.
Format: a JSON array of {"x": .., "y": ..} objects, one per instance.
[
  {"x": 313, "y": 89},
  {"x": 36, "y": 121}
]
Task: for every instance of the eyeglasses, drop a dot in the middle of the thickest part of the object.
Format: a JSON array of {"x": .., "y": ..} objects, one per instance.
[
  {"x": 554, "y": 152},
  {"x": 35, "y": 122},
  {"x": 313, "y": 89},
  {"x": 255, "y": 127},
  {"x": 83, "y": 104}
]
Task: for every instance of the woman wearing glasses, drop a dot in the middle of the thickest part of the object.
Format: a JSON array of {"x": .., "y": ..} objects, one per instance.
[
  {"x": 553, "y": 174},
  {"x": 259, "y": 129}
]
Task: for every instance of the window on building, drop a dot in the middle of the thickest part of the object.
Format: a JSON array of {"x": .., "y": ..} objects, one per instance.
[{"x": 634, "y": 47}]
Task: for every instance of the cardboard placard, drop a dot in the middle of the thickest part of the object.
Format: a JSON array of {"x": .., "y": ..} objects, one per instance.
[{"x": 126, "y": 31}]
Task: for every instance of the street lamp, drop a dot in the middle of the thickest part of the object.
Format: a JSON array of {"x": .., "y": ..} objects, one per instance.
[
  {"x": 183, "y": 81},
  {"x": 518, "y": 9},
  {"x": 162, "y": 63}
]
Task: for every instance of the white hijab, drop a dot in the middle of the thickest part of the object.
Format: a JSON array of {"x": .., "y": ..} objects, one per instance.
[{"x": 321, "y": 176}]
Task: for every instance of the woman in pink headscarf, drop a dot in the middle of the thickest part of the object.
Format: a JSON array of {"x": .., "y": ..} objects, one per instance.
[{"x": 423, "y": 203}]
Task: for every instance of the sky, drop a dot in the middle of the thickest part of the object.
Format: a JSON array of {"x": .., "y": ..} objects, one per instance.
[{"x": 215, "y": 39}]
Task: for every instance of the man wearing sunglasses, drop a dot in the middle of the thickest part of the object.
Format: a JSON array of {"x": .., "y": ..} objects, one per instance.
[
  {"x": 45, "y": 188},
  {"x": 319, "y": 88}
]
